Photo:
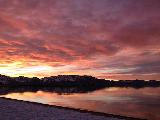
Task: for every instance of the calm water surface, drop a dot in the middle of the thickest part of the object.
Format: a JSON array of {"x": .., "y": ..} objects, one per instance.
[{"x": 141, "y": 103}]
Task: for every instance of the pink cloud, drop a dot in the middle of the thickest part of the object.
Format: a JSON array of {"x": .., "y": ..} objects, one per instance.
[{"x": 91, "y": 36}]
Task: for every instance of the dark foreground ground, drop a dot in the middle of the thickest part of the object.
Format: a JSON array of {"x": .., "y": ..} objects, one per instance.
[{"x": 20, "y": 110}]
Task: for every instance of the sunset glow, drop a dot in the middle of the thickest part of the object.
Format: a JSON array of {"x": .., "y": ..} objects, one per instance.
[{"x": 102, "y": 38}]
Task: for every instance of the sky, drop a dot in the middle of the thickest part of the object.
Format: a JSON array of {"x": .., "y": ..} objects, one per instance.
[{"x": 108, "y": 39}]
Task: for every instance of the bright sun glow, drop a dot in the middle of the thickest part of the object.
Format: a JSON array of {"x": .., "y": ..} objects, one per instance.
[{"x": 15, "y": 69}]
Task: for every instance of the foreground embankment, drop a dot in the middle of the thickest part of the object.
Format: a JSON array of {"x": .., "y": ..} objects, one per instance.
[{"x": 21, "y": 110}]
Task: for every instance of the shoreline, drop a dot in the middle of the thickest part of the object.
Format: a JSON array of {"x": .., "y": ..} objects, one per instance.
[{"x": 68, "y": 109}]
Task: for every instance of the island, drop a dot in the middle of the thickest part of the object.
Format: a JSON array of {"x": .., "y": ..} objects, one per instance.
[{"x": 74, "y": 81}]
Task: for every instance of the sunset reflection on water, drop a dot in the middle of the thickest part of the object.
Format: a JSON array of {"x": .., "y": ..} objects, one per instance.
[{"x": 141, "y": 103}]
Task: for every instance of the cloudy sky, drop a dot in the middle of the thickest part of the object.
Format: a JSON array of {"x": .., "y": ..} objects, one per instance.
[{"x": 104, "y": 38}]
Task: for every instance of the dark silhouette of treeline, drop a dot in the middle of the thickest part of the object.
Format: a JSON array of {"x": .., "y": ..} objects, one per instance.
[
  {"x": 134, "y": 83},
  {"x": 74, "y": 81},
  {"x": 54, "y": 81}
]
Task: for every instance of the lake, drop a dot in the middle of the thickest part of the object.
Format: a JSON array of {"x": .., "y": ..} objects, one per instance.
[{"x": 134, "y": 102}]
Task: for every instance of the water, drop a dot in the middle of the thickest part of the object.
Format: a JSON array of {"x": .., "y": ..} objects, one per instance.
[{"x": 139, "y": 103}]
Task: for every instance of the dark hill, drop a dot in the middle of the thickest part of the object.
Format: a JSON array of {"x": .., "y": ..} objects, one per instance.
[{"x": 74, "y": 81}]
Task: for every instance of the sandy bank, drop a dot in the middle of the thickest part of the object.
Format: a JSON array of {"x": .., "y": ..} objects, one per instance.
[{"x": 20, "y": 110}]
